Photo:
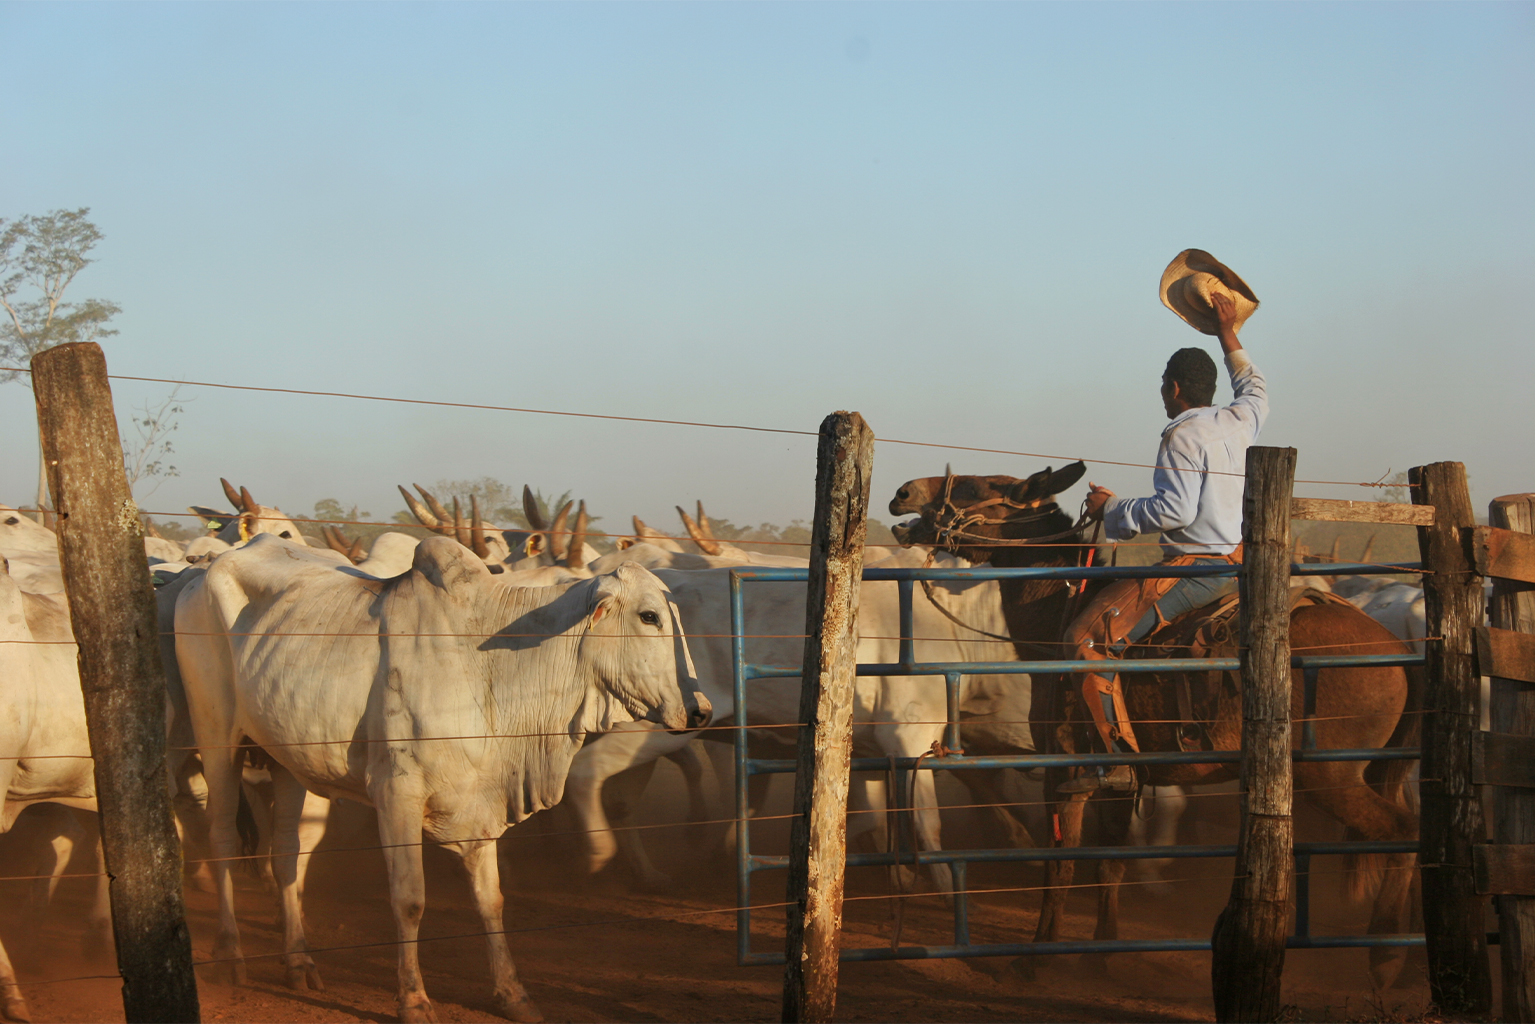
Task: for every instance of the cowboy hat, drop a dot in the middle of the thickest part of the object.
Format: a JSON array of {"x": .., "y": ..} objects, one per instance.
[{"x": 1187, "y": 286}]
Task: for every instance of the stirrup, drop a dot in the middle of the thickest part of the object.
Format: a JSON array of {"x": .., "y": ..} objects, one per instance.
[{"x": 1120, "y": 778}]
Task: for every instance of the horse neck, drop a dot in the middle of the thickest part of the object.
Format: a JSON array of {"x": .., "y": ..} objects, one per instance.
[{"x": 1034, "y": 608}]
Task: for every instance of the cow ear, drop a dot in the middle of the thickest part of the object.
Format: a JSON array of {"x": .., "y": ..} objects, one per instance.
[
  {"x": 605, "y": 597},
  {"x": 534, "y": 545}
]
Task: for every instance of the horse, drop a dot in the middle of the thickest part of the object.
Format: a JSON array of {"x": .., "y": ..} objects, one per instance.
[{"x": 1016, "y": 523}]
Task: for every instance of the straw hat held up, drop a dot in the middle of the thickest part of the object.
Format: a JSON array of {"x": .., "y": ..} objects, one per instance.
[{"x": 1188, "y": 283}]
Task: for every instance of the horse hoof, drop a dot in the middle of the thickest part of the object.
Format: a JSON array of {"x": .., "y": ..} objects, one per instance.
[
  {"x": 521, "y": 1010},
  {"x": 1023, "y": 968},
  {"x": 418, "y": 1013},
  {"x": 14, "y": 1008}
]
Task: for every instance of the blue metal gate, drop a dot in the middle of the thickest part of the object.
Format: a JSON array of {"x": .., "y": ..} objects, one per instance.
[{"x": 747, "y": 863}]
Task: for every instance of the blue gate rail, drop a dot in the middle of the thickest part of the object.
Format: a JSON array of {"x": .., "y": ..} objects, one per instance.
[{"x": 746, "y": 766}]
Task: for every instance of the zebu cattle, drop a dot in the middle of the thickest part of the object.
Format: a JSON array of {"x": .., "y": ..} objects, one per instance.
[
  {"x": 546, "y": 543},
  {"x": 901, "y": 716},
  {"x": 44, "y": 749},
  {"x": 450, "y": 703}
]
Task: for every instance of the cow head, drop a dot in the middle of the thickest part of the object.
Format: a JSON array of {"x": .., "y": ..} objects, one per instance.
[
  {"x": 963, "y": 513},
  {"x": 635, "y": 642},
  {"x": 253, "y": 519}
]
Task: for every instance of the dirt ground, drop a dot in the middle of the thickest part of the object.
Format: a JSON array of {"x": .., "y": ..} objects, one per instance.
[{"x": 599, "y": 950}]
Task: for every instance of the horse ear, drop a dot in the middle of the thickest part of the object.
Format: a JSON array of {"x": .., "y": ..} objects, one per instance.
[{"x": 1064, "y": 477}]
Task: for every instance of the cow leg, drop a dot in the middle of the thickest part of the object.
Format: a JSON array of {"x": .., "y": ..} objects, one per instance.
[
  {"x": 401, "y": 806},
  {"x": 508, "y": 995},
  {"x": 1165, "y": 806},
  {"x": 61, "y": 832},
  {"x": 98, "y": 937},
  {"x": 690, "y": 761},
  {"x": 593, "y": 766},
  {"x": 622, "y": 795},
  {"x": 925, "y": 807},
  {"x": 221, "y": 769},
  {"x": 290, "y": 860},
  {"x": 12, "y": 1006}
]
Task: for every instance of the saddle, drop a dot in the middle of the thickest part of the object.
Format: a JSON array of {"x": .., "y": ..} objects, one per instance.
[{"x": 1209, "y": 632}]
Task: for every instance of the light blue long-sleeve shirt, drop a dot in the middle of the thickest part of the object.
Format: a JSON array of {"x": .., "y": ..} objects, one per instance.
[{"x": 1198, "y": 507}]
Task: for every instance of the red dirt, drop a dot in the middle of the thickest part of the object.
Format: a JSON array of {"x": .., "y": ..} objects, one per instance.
[{"x": 599, "y": 951}]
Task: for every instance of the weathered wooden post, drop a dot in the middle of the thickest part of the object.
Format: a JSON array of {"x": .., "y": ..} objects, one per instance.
[
  {"x": 112, "y": 606},
  {"x": 818, "y": 837},
  {"x": 1451, "y": 819},
  {"x": 1504, "y": 755},
  {"x": 1248, "y": 945}
]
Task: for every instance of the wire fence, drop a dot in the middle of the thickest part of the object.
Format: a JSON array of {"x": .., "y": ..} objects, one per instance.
[{"x": 733, "y": 728}]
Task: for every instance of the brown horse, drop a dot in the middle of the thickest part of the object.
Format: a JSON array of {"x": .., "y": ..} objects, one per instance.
[{"x": 1013, "y": 523}]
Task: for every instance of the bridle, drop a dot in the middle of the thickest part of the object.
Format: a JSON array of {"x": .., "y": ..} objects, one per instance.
[{"x": 951, "y": 524}]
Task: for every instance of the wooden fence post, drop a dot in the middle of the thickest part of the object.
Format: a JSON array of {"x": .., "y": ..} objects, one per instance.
[
  {"x": 1248, "y": 944},
  {"x": 112, "y": 606},
  {"x": 1510, "y": 712},
  {"x": 818, "y": 836},
  {"x": 1451, "y": 818}
]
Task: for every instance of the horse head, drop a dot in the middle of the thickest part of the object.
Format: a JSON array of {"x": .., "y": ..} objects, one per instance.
[{"x": 969, "y": 515}]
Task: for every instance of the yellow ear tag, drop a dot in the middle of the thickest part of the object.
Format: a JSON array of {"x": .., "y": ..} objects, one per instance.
[
  {"x": 245, "y": 532},
  {"x": 602, "y": 610}
]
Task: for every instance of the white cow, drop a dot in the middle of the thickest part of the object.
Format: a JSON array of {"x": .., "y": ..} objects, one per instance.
[
  {"x": 450, "y": 703},
  {"x": 45, "y": 753},
  {"x": 896, "y": 715}
]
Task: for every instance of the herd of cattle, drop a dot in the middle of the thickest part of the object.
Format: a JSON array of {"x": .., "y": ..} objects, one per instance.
[{"x": 469, "y": 680}]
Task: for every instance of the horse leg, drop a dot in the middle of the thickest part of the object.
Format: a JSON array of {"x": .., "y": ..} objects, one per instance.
[
  {"x": 1341, "y": 791},
  {"x": 985, "y": 792},
  {"x": 1058, "y": 877}
]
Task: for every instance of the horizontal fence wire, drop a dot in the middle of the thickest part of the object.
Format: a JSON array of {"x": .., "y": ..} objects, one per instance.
[
  {"x": 689, "y": 423},
  {"x": 677, "y": 917},
  {"x": 514, "y": 833}
]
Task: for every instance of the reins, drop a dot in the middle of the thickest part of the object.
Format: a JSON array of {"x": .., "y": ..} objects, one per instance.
[{"x": 956, "y": 520}]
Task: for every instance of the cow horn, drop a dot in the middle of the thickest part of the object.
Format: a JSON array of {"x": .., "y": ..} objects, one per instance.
[
  {"x": 704, "y": 526},
  {"x": 249, "y": 503},
  {"x": 1333, "y": 552},
  {"x": 418, "y": 510},
  {"x": 706, "y": 545},
  {"x": 644, "y": 531},
  {"x": 558, "y": 541},
  {"x": 355, "y": 553},
  {"x": 230, "y": 492},
  {"x": 334, "y": 538},
  {"x": 574, "y": 550},
  {"x": 531, "y": 511},
  {"x": 1370, "y": 543},
  {"x": 150, "y": 528},
  {"x": 444, "y": 520},
  {"x": 460, "y": 527},
  {"x": 477, "y": 530}
]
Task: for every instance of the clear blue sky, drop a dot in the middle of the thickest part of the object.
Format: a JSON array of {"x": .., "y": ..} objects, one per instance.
[{"x": 949, "y": 217}]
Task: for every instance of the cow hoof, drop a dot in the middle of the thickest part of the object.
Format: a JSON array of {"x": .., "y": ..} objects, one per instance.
[
  {"x": 305, "y": 975},
  {"x": 521, "y": 1010},
  {"x": 418, "y": 1013},
  {"x": 14, "y": 1008}
]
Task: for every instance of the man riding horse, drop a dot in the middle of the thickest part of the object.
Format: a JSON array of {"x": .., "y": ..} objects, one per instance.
[{"x": 1197, "y": 507}]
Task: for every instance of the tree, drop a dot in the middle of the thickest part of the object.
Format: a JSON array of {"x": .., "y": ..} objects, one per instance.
[
  {"x": 42, "y": 255},
  {"x": 145, "y": 451}
]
